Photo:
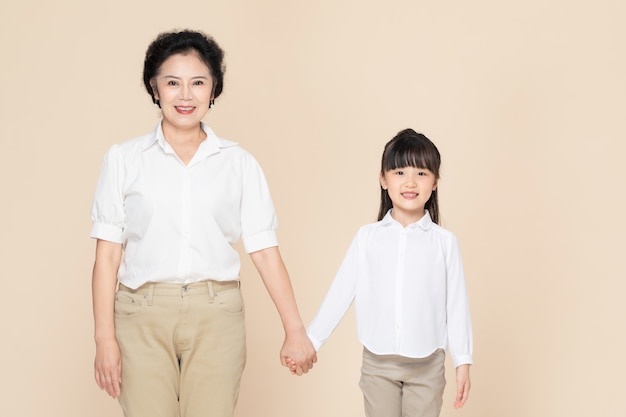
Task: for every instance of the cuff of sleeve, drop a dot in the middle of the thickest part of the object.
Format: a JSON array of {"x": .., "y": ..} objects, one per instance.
[
  {"x": 316, "y": 343},
  {"x": 107, "y": 232},
  {"x": 462, "y": 360},
  {"x": 260, "y": 241}
]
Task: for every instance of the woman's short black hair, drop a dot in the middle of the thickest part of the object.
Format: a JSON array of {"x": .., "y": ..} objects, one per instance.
[{"x": 167, "y": 44}]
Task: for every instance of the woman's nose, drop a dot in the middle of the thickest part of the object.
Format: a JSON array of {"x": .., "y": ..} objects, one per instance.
[{"x": 185, "y": 92}]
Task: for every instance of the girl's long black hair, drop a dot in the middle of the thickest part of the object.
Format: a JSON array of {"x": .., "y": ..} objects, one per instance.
[{"x": 409, "y": 148}]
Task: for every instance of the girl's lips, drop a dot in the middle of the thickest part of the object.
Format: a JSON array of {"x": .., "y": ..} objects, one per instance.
[
  {"x": 409, "y": 195},
  {"x": 184, "y": 109}
]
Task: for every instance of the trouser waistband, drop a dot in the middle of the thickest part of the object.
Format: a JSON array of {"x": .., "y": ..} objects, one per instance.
[{"x": 210, "y": 287}]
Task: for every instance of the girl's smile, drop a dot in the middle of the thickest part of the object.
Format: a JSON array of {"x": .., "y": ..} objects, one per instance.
[{"x": 409, "y": 189}]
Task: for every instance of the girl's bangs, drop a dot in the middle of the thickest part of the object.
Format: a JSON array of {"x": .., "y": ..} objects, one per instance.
[{"x": 410, "y": 154}]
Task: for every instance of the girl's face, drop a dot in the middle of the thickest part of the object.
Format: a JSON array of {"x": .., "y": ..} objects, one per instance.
[
  {"x": 409, "y": 189},
  {"x": 184, "y": 88}
]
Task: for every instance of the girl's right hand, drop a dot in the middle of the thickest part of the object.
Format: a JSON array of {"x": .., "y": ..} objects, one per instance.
[
  {"x": 108, "y": 367},
  {"x": 291, "y": 365}
]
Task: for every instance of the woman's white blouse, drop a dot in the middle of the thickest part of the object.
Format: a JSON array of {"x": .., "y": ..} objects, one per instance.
[
  {"x": 178, "y": 222},
  {"x": 409, "y": 291}
]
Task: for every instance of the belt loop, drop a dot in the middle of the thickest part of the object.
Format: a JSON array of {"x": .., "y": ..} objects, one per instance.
[
  {"x": 211, "y": 291},
  {"x": 150, "y": 293}
]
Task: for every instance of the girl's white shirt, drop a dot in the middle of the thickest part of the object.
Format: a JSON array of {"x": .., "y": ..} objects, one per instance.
[
  {"x": 409, "y": 291},
  {"x": 178, "y": 222}
]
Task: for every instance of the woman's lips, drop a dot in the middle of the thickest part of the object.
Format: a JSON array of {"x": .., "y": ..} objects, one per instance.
[{"x": 184, "y": 109}]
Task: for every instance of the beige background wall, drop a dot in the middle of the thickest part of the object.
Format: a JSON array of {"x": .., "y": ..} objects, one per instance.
[{"x": 526, "y": 101}]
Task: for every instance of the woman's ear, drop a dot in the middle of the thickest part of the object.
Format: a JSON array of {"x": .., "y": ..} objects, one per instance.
[{"x": 155, "y": 91}]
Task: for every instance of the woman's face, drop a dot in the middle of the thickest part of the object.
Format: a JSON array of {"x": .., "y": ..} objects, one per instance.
[{"x": 184, "y": 88}]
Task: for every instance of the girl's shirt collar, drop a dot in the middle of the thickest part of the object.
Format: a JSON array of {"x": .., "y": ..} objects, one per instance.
[{"x": 424, "y": 223}]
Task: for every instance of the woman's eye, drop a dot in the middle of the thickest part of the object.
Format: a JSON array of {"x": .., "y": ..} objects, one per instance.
[
  {"x": 171, "y": 82},
  {"x": 199, "y": 82}
]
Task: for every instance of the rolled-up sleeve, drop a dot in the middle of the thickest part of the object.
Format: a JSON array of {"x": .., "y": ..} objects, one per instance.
[
  {"x": 107, "y": 210},
  {"x": 258, "y": 218}
]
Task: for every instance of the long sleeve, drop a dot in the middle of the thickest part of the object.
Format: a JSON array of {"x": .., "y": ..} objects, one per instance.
[
  {"x": 338, "y": 299},
  {"x": 457, "y": 306}
]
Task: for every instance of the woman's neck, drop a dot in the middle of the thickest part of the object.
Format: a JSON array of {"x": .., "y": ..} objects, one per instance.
[
  {"x": 184, "y": 142},
  {"x": 176, "y": 136}
]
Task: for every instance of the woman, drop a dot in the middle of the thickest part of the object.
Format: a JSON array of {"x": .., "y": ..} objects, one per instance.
[{"x": 167, "y": 209}]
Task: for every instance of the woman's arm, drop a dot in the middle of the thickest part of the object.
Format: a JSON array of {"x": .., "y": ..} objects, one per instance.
[
  {"x": 297, "y": 345},
  {"x": 108, "y": 362}
]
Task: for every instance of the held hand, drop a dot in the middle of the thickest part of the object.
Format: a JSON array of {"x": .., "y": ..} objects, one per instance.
[
  {"x": 291, "y": 364},
  {"x": 108, "y": 367},
  {"x": 462, "y": 385},
  {"x": 298, "y": 353}
]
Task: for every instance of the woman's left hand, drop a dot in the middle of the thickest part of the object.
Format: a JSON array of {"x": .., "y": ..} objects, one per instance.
[
  {"x": 297, "y": 345},
  {"x": 297, "y": 349}
]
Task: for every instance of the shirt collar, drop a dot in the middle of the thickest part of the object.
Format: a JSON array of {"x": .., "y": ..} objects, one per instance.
[
  {"x": 211, "y": 145},
  {"x": 424, "y": 223}
]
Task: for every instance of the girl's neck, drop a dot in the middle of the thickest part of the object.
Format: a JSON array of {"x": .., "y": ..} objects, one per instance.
[{"x": 407, "y": 218}]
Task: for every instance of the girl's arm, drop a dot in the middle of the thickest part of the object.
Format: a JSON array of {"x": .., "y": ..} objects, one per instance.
[
  {"x": 297, "y": 345},
  {"x": 458, "y": 314},
  {"x": 462, "y": 385},
  {"x": 108, "y": 362},
  {"x": 339, "y": 296},
  {"x": 459, "y": 323}
]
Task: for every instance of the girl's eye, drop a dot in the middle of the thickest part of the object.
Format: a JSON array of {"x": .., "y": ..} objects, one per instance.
[
  {"x": 421, "y": 173},
  {"x": 399, "y": 172}
]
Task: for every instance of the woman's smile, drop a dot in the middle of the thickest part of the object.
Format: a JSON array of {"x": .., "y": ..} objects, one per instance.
[
  {"x": 184, "y": 109},
  {"x": 184, "y": 88}
]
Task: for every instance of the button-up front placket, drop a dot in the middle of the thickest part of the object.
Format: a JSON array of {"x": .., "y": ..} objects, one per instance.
[
  {"x": 185, "y": 247},
  {"x": 399, "y": 287}
]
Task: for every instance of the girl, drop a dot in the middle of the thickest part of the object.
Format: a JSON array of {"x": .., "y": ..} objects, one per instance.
[
  {"x": 405, "y": 274},
  {"x": 167, "y": 209}
]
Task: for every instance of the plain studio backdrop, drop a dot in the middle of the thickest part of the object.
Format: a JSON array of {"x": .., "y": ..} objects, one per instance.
[{"x": 525, "y": 100}]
